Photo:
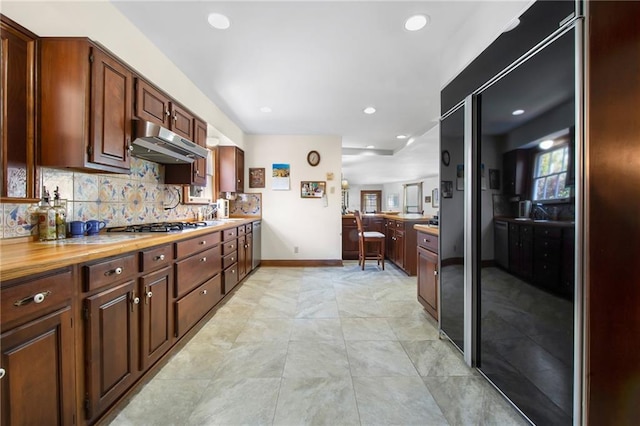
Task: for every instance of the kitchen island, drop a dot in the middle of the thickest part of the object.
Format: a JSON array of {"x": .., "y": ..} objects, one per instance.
[{"x": 400, "y": 236}]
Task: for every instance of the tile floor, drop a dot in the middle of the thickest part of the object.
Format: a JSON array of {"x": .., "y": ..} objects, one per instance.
[{"x": 319, "y": 346}]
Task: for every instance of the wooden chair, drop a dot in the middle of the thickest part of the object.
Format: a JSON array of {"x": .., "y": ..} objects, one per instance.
[{"x": 365, "y": 237}]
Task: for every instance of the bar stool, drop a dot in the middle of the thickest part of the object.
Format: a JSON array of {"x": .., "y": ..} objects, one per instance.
[{"x": 365, "y": 237}]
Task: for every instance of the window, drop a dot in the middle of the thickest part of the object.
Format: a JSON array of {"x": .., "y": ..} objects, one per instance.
[
  {"x": 413, "y": 198},
  {"x": 550, "y": 174},
  {"x": 370, "y": 201}
]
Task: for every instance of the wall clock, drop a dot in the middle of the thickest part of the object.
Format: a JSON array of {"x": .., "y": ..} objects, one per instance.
[
  {"x": 446, "y": 158},
  {"x": 313, "y": 158}
]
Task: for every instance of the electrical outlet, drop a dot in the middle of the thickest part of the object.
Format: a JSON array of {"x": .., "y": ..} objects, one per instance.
[{"x": 296, "y": 249}]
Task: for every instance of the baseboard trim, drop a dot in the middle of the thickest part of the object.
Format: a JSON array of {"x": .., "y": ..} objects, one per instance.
[{"x": 301, "y": 263}]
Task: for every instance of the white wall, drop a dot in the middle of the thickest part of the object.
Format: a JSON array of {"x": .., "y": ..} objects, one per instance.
[
  {"x": 428, "y": 184},
  {"x": 103, "y": 23},
  {"x": 288, "y": 220}
]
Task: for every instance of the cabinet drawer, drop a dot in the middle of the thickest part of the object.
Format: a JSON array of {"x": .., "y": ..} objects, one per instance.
[
  {"x": 194, "y": 245},
  {"x": 428, "y": 241},
  {"x": 35, "y": 297},
  {"x": 248, "y": 228},
  {"x": 229, "y": 247},
  {"x": 229, "y": 260},
  {"x": 348, "y": 221},
  {"x": 191, "y": 308},
  {"x": 230, "y": 278},
  {"x": 548, "y": 231},
  {"x": 110, "y": 271},
  {"x": 399, "y": 225},
  {"x": 229, "y": 234},
  {"x": 196, "y": 269},
  {"x": 548, "y": 246},
  {"x": 156, "y": 258},
  {"x": 242, "y": 229}
]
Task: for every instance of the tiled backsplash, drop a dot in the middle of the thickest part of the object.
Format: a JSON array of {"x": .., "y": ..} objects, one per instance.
[{"x": 118, "y": 199}]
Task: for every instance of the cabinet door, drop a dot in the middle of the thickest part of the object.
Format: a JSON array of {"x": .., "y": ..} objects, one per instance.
[
  {"x": 399, "y": 249},
  {"x": 111, "y": 91},
  {"x": 182, "y": 122},
  {"x": 248, "y": 246},
  {"x": 231, "y": 169},
  {"x": 17, "y": 132},
  {"x": 428, "y": 280},
  {"x": 39, "y": 383},
  {"x": 349, "y": 238},
  {"x": 151, "y": 104},
  {"x": 156, "y": 329},
  {"x": 200, "y": 165},
  {"x": 111, "y": 345},
  {"x": 242, "y": 257}
]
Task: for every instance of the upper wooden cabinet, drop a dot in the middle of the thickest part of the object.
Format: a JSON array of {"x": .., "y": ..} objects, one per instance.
[
  {"x": 152, "y": 105},
  {"x": 17, "y": 118},
  {"x": 231, "y": 170},
  {"x": 194, "y": 173},
  {"x": 85, "y": 106}
]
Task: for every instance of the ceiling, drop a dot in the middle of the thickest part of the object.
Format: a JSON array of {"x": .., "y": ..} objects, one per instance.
[{"x": 317, "y": 65}]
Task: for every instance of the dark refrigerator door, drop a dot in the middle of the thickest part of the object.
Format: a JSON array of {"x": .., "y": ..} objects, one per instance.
[
  {"x": 525, "y": 321},
  {"x": 452, "y": 228}
]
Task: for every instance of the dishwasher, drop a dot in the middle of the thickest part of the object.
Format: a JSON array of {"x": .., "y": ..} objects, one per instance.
[
  {"x": 257, "y": 244},
  {"x": 501, "y": 243}
]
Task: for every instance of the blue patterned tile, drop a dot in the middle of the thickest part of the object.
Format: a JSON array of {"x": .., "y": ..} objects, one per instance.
[
  {"x": 111, "y": 189},
  {"x": 85, "y": 187},
  {"x": 63, "y": 179},
  {"x": 19, "y": 220}
]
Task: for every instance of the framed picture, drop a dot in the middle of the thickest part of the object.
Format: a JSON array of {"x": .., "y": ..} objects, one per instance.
[
  {"x": 280, "y": 176},
  {"x": 494, "y": 179},
  {"x": 435, "y": 199},
  {"x": 427, "y": 199},
  {"x": 447, "y": 189},
  {"x": 312, "y": 189},
  {"x": 256, "y": 177}
]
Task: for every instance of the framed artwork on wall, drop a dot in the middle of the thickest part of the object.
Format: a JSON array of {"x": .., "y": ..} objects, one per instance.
[
  {"x": 312, "y": 189},
  {"x": 256, "y": 177}
]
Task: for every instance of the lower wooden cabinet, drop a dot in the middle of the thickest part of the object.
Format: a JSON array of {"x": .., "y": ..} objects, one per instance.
[
  {"x": 37, "y": 365},
  {"x": 156, "y": 316},
  {"x": 428, "y": 272},
  {"x": 38, "y": 387},
  {"x": 349, "y": 238},
  {"x": 191, "y": 308},
  {"x": 111, "y": 341}
]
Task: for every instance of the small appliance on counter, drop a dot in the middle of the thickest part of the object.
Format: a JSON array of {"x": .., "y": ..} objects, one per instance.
[
  {"x": 223, "y": 208},
  {"x": 524, "y": 209}
]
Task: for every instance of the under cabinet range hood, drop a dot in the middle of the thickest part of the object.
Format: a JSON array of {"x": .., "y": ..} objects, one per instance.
[{"x": 160, "y": 145}]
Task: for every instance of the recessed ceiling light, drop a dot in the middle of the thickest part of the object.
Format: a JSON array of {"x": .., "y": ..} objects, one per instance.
[
  {"x": 369, "y": 110},
  {"x": 219, "y": 21},
  {"x": 546, "y": 144},
  {"x": 416, "y": 22},
  {"x": 410, "y": 141},
  {"x": 370, "y": 146},
  {"x": 512, "y": 25},
  {"x": 265, "y": 109},
  {"x": 518, "y": 112},
  {"x": 401, "y": 137}
]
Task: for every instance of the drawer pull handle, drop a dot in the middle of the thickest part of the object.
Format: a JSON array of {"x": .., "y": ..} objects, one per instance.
[
  {"x": 161, "y": 257},
  {"x": 232, "y": 246},
  {"x": 136, "y": 300},
  {"x": 2, "y": 373},
  {"x": 435, "y": 273},
  {"x": 204, "y": 259},
  {"x": 36, "y": 298},
  {"x": 116, "y": 271},
  {"x": 233, "y": 259},
  {"x": 204, "y": 292},
  {"x": 203, "y": 242},
  {"x": 149, "y": 294},
  {"x": 427, "y": 241}
]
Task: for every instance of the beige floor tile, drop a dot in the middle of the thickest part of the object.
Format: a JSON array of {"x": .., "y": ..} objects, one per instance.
[
  {"x": 317, "y": 329},
  {"x": 436, "y": 358},
  {"x": 253, "y": 360},
  {"x": 237, "y": 401},
  {"x": 414, "y": 328},
  {"x": 378, "y": 358},
  {"x": 316, "y": 359},
  {"x": 316, "y": 401},
  {"x": 396, "y": 401},
  {"x": 264, "y": 329},
  {"x": 366, "y": 329}
]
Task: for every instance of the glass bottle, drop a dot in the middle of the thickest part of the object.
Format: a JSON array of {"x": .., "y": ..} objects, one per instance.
[
  {"x": 46, "y": 218},
  {"x": 61, "y": 216}
]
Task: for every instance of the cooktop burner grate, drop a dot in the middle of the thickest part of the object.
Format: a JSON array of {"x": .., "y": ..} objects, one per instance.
[{"x": 158, "y": 227}]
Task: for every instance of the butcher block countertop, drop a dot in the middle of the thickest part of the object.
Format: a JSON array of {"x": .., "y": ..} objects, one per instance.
[
  {"x": 410, "y": 217},
  {"x": 20, "y": 259},
  {"x": 433, "y": 230}
]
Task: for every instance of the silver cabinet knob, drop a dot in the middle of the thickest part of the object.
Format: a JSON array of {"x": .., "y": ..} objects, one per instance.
[
  {"x": 2, "y": 373},
  {"x": 204, "y": 292},
  {"x": 203, "y": 242},
  {"x": 136, "y": 300},
  {"x": 204, "y": 259},
  {"x": 149, "y": 294},
  {"x": 161, "y": 257},
  {"x": 116, "y": 271}
]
